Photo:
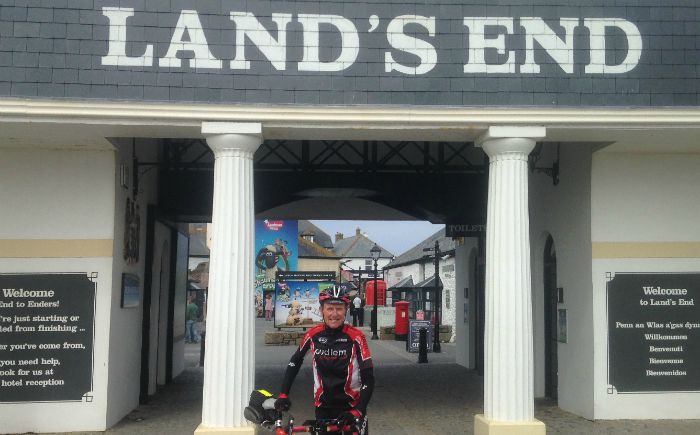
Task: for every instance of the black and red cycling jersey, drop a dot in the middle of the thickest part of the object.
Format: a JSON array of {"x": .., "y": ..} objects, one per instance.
[{"x": 342, "y": 366}]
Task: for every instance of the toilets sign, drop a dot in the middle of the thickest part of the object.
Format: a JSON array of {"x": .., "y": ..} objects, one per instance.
[{"x": 411, "y": 37}]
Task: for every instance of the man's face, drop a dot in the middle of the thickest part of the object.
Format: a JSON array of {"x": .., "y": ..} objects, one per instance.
[{"x": 334, "y": 314}]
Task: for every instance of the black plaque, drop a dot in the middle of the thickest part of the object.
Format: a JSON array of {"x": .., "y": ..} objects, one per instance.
[
  {"x": 653, "y": 332},
  {"x": 414, "y": 327},
  {"x": 46, "y": 337}
]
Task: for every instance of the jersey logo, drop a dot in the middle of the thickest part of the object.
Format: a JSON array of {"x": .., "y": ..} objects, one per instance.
[
  {"x": 341, "y": 340},
  {"x": 322, "y": 340},
  {"x": 291, "y": 364}
]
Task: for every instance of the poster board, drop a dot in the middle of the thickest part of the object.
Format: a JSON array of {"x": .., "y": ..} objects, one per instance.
[
  {"x": 653, "y": 332},
  {"x": 276, "y": 250},
  {"x": 46, "y": 336},
  {"x": 297, "y": 304}
]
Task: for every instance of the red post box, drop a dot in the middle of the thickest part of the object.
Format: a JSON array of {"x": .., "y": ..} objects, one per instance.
[
  {"x": 401, "y": 320},
  {"x": 381, "y": 292}
]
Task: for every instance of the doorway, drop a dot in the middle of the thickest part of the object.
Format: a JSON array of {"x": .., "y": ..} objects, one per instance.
[{"x": 551, "y": 364}]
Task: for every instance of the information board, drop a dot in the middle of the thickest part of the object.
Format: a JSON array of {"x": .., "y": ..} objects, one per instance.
[
  {"x": 414, "y": 327},
  {"x": 46, "y": 337},
  {"x": 653, "y": 332}
]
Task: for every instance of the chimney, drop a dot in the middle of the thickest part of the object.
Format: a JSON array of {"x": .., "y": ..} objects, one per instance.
[
  {"x": 338, "y": 237},
  {"x": 358, "y": 231}
]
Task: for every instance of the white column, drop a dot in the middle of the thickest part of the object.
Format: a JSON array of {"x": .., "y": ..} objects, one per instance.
[
  {"x": 229, "y": 365},
  {"x": 508, "y": 371}
]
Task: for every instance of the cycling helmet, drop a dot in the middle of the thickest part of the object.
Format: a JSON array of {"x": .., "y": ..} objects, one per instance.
[{"x": 336, "y": 294}]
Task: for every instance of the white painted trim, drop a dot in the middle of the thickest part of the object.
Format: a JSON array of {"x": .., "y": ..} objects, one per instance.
[
  {"x": 509, "y": 131},
  {"x": 253, "y": 128},
  {"x": 368, "y": 117}
]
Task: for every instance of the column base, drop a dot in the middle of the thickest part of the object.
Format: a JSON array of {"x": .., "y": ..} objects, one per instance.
[
  {"x": 483, "y": 426},
  {"x": 246, "y": 430}
]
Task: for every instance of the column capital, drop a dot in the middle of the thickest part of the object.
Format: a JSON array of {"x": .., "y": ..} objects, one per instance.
[
  {"x": 510, "y": 139},
  {"x": 228, "y": 137}
]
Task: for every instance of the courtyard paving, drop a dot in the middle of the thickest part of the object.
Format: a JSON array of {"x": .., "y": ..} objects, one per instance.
[{"x": 440, "y": 397}]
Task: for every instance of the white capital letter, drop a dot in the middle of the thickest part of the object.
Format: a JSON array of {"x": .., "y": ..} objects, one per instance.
[
  {"x": 478, "y": 44},
  {"x": 116, "y": 52},
  {"x": 400, "y": 41},
  {"x": 350, "y": 43},
  {"x": 597, "y": 27},
  {"x": 274, "y": 50},
  {"x": 189, "y": 22},
  {"x": 562, "y": 51}
]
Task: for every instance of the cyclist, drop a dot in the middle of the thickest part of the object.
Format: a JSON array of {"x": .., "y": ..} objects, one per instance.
[{"x": 342, "y": 364}]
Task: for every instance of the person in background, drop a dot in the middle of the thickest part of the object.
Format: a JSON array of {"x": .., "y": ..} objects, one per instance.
[
  {"x": 268, "y": 307},
  {"x": 356, "y": 306},
  {"x": 191, "y": 317}
]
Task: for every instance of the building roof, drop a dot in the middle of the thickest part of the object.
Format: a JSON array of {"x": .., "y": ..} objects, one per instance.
[
  {"x": 416, "y": 253},
  {"x": 428, "y": 283},
  {"x": 404, "y": 283},
  {"x": 309, "y": 249},
  {"x": 320, "y": 237},
  {"x": 358, "y": 246}
]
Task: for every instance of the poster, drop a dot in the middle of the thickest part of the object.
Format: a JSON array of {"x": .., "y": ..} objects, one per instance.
[
  {"x": 46, "y": 337},
  {"x": 297, "y": 304},
  {"x": 653, "y": 332},
  {"x": 414, "y": 327},
  {"x": 276, "y": 250}
]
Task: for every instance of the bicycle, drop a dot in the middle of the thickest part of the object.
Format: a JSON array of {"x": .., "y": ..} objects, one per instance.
[{"x": 261, "y": 411}]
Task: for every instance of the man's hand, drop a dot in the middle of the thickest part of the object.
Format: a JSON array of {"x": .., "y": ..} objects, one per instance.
[
  {"x": 283, "y": 403},
  {"x": 350, "y": 416}
]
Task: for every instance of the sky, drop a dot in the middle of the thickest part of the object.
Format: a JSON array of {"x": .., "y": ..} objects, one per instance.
[{"x": 395, "y": 236}]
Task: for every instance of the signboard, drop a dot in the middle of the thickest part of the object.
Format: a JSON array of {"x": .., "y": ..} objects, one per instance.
[
  {"x": 306, "y": 276},
  {"x": 440, "y": 53},
  {"x": 297, "y": 304},
  {"x": 414, "y": 327},
  {"x": 46, "y": 337},
  {"x": 653, "y": 332},
  {"x": 276, "y": 248},
  {"x": 465, "y": 230}
]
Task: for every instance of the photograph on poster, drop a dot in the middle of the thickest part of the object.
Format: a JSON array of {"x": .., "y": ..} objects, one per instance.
[{"x": 296, "y": 303}]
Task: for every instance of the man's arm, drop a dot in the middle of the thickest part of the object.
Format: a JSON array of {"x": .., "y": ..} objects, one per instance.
[
  {"x": 294, "y": 365},
  {"x": 366, "y": 374}
]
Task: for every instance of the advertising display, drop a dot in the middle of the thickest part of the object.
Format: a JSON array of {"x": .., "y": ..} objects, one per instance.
[
  {"x": 297, "y": 304},
  {"x": 275, "y": 251},
  {"x": 654, "y": 332},
  {"x": 414, "y": 327}
]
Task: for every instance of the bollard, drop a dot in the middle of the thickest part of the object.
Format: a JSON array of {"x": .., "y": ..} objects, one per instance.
[
  {"x": 422, "y": 346},
  {"x": 202, "y": 337}
]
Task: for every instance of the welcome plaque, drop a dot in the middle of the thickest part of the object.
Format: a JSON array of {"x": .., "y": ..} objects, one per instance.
[
  {"x": 653, "y": 332},
  {"x": 46, "y": 337}
]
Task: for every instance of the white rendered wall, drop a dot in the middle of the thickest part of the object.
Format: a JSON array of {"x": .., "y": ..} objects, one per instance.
[
  {"x": 464, "y": 278},
  {"x": 395, "y": 275},
  {"x": 641, "y": 198},
  {"x": 563, "y": 211},
  {"x": 61, "y": 194},
  {"x": 359, "y": 263},
  {"x": 125, "y": 323},
  {"x": 317, "y": 265}
]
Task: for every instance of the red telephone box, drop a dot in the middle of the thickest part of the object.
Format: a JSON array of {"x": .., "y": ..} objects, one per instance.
[
  {"x": 381, "y": 292},
  {"x": 401, "y": 320}
]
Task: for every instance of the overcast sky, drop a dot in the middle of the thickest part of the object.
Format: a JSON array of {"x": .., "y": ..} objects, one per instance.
[{"x": 395, "y": 236}]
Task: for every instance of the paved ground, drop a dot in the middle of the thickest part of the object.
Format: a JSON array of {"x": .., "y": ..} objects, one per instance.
[{"x": 435, "y": 398}]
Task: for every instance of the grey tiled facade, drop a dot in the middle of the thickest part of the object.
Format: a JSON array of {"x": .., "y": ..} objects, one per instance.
[{"x": 55, "y": 49}]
